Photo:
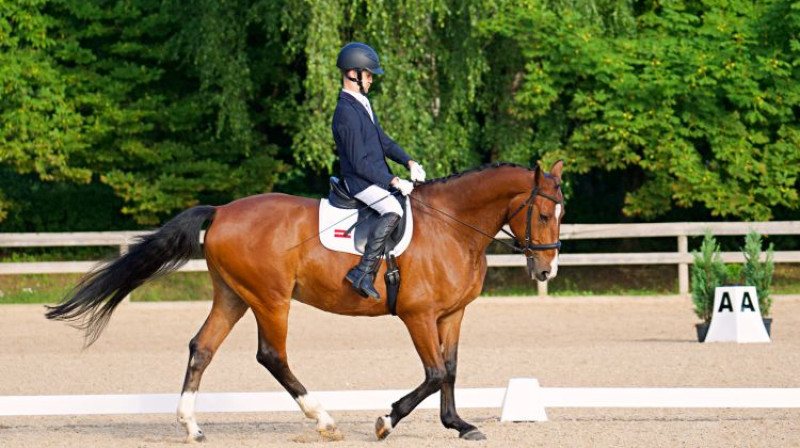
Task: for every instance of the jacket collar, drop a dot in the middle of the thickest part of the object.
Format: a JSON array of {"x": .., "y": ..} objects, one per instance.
[{"x": 360, "y": 107}]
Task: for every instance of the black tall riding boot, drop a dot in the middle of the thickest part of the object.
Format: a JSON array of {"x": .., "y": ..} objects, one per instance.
[{"x": 362, "y": 276}]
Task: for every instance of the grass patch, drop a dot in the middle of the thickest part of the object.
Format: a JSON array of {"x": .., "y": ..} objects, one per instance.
[
  {"x": 181, "y": 286},
  {"x": 586, "y": 281},
  {"x": 50, "y": 289},
  {"x": 571, "y": 281},
  {"x": 35, "y": 288},
  {"x": 786, "y": 279}
]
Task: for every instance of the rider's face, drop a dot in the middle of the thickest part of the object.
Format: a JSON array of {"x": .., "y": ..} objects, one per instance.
[{"x": 366, "y": 79}]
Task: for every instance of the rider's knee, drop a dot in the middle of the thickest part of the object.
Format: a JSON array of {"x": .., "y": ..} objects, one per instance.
[{"x": 393, "y": 206}]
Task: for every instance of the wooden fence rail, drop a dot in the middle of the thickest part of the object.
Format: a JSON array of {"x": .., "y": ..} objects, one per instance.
[{"x": 679, "y": 230}]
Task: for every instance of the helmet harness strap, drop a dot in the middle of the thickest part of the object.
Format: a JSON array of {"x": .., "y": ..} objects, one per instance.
[{"x": 358, "y": 81}]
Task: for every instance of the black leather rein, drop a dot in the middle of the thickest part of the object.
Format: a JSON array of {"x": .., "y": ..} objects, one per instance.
[{"x": 527, "y": 248}]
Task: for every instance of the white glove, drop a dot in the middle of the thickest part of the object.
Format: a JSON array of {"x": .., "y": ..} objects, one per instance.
[
  {"x": 404, "y": 186},
  {"x": 417, "y": 173}
]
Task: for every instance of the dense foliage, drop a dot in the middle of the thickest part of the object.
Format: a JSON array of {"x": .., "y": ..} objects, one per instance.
[
  {"x": 707, "y": 273},
  {"x": 163, "y": 104},
  {"x": 759, "y": 273}
]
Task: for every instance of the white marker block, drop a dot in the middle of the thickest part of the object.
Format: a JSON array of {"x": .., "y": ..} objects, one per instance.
[
  {"x": 736, "y": 317},
  {"x": 523, "y": 401}
]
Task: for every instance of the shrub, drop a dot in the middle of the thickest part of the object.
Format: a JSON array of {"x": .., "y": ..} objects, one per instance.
[
  {"x": 707, "y": 272},
  {"x": 757, "y": 273}
]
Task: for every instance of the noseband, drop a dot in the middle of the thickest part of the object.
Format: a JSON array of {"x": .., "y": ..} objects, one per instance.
[{"x": 528, "y": 248}]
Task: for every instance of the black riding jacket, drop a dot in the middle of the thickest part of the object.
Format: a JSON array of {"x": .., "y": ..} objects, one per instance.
[{"x": 363, "y": 146}]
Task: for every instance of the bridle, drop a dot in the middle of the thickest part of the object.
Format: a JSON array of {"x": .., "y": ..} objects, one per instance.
[{"x": 527, "y": 248}]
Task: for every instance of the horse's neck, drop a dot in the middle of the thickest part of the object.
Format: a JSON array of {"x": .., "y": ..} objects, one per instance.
[{"x": 481, "y": 199}]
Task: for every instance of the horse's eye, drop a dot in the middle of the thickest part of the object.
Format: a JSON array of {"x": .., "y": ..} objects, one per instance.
[{"x": 544, "y": 218}]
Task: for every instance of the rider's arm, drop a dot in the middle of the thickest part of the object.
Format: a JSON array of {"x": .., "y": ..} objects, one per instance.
[{"x": 392, "y": 150}]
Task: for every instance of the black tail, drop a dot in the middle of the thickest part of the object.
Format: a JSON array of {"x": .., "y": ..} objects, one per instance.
[{"x": 90, "y": 304}]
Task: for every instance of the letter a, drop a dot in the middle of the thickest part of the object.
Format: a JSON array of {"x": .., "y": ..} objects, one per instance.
[
  {"x": 725, "y": 303},
  {"x": 747, "y": 302}
]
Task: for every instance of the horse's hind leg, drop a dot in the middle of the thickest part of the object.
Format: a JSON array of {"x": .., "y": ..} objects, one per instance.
[
  {"x": 272, "y": 330},
  {"x": 226, "y": 310}
]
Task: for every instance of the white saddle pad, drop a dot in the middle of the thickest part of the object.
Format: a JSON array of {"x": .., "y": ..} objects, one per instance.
[{"x": 334, "y": 222}]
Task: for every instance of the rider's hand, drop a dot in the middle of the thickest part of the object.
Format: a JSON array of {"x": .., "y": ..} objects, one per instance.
[
  {"x": 417, "y": 172},
  {"x": 404, "y": 186}
]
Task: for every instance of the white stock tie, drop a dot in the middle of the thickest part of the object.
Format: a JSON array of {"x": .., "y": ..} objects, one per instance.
[{"x": 369, "y": 111}]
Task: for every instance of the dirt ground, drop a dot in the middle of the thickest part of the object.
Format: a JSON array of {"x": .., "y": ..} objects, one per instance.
[{"x": 579, "y": 342}]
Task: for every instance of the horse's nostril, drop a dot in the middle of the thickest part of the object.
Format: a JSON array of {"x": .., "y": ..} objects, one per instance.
[{"x": 544, "y": 274}]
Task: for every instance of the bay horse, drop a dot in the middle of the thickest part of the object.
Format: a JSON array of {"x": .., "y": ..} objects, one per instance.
[{"x": 262, "y": 252}]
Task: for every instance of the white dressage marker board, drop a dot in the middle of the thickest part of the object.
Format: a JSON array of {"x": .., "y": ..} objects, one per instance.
[
  {"x": 523, "y": 401},
  {"x": 736, "y": 317}
]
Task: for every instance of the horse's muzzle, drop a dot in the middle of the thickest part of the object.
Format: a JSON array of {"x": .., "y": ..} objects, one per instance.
[{"x": 541, "y": 273}]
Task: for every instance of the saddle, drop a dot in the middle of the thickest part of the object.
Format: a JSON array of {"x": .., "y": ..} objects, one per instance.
[
  {"x": 345, "y": 224},
  {"x": 340, "y": 198}
]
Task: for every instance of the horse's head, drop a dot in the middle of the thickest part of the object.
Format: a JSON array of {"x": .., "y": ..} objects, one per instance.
[{"x": 535, "y": 219}]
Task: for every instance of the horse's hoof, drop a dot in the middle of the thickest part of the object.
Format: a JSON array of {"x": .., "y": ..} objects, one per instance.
[
  {"x": 383, "y": 426},
  {"x": 331, "y": 433},
  {"x": 473, "y": 435},
  {"x": 196, "y": 438}
]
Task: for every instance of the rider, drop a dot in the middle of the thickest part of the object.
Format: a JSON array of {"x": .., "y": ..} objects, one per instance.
[{"x": 363, "y": 147}]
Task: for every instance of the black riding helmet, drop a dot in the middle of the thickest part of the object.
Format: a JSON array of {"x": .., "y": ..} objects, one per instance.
[{"x": 359, "y": 57}]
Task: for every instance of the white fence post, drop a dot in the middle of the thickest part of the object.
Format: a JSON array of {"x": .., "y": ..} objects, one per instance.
[
  {"x": 683, "y": 267},
  {"x": 541, "y": 288}
]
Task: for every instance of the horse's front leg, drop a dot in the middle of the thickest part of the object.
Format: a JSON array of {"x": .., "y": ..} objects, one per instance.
[
  {"x": 449, "y": 331},
  {"x": 425, "y": 336}
]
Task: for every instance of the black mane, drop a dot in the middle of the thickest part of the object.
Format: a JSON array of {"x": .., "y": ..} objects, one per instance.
[{"x": 475, "y": 170}]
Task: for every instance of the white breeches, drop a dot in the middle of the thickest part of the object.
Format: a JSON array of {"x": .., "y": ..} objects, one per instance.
[{"x": 373, "y": 196}]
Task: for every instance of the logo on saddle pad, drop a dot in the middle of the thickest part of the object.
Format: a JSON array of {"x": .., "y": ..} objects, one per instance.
[{"x": 338, "y": 231}]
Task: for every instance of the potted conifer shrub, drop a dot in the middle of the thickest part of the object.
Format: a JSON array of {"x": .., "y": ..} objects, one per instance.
[
  {"x": 759, "y": 273},
  {"x": 707, "y": 272}
]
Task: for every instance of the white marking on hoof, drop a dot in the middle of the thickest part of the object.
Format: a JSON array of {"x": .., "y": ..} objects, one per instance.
[
  {"x": 383, "y": 427},
  {"x": 187, "y": 419},
  {"x": 325, "y": 423}
]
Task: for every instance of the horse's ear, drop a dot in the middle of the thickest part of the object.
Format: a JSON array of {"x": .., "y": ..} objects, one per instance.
[
  {"x": 539, "y": 175},
  {"x": 556, "y": 169}
]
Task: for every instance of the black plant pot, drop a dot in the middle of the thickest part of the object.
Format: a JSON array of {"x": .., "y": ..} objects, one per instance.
[
  {"x": 702, "y": 329},
  {"x": 768, "y": 325}
]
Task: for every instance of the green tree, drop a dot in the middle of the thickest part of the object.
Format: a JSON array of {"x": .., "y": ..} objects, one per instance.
[
  {"x": 110, "y": 88},
  {"x": 698, "y": 97},
  {"x": 171, "y": 103}
]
